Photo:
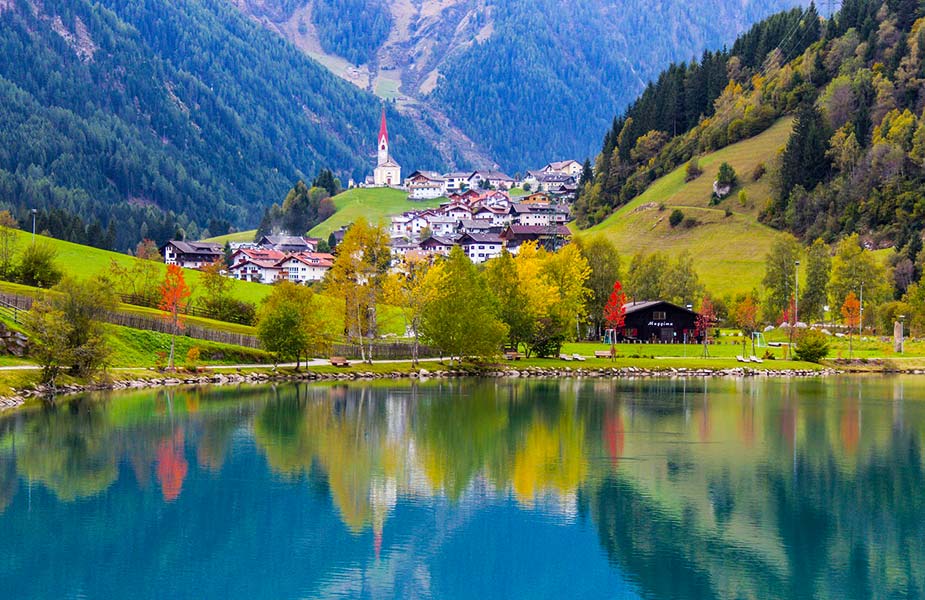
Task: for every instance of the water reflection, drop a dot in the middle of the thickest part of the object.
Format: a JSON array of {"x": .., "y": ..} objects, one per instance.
[{"x": 720, "y": 489}]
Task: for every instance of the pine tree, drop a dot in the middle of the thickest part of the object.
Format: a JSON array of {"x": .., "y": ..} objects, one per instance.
[{"x": 804, "y": 161}]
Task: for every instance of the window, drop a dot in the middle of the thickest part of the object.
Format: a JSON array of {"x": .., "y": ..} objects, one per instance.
[{"x": 658, "y": 315}]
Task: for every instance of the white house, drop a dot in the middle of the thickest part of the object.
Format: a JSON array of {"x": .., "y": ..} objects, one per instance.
[
  {"x": 259, "y": 271},
  {"x": 425, "y": 185},
  {"x": 572, "y": 168},
  {"x": 456, "y": 181},
  {"x": 441, "y": 225},
  {"x": 480, "y": 247},
  {"x": 305, "y": 267},
  {"x": 191, "y": 255}
]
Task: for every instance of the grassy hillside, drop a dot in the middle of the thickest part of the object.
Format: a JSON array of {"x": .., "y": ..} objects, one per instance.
[
  {"x": 237, "y": 236},
  {"x": 374, "y": 204},
  {"x": 85, "y": 261},
  {"x": 729, "y": 251}
]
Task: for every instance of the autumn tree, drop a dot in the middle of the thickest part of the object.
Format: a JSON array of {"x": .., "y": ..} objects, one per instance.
[
  {"x": 173, "y": 293},
  {"x": 407, "y": 290},
  {"x": 292, "y": 323},
  {"x": 147, "y": 250},
  {"x": 8, "y": 227},
  {"x": 460, "y": 316},
  {"x": 357, "y": 277},
  {"x": 615, "y": 315},
  {"x": 745, "y": 317},
  {"x": 706, "y": 318},
  {"x": 851, "y": 313},
  {"x": 566, "y": 271}
]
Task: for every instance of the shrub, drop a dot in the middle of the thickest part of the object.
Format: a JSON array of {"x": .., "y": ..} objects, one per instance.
[
  {"x": 728, "y": 212},
  {"x": 759, "y": 171},
  {"x": 743, "y": 198},
  {"x": 690, "y": 222},
  {"x": 693, "y": 170},
  {"x": 676, "y": 217},
  {"x": 192, "y": 358},
  {"x": 37, "y": 267},
  {"x": 812, "y": 346}
]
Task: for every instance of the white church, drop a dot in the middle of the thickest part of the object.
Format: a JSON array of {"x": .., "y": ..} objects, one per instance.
[{"x": 387, "y": 172}]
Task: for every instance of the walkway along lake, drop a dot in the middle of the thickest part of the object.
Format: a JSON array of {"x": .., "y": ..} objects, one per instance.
[{"x": 459, "y": 488}]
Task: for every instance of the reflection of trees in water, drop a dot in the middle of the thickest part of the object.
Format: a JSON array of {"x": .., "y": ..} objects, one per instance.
[
  {"x": 68, "y": 450},
  {"x": 9, "y": 482},
  {"x": 845, "y": 529}
]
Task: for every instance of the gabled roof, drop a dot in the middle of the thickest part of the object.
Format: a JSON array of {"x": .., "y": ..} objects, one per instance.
[
  {"x": 263, "y": 264},
  {"x": 476, "y": 224},
  {"x": 634, "y": 307},
  {"x": 479, "y": 238},
  {"x": 561, "y": 164},
  {"x": 536, "y": 230},
  {"x": 312, "y": 259},
  {"x": 436, "y": 240},
  {"x": 194, "y": 247},
  {"x": 389, "y": 163},
  {"x": 459, "y": 175},
  {"x": 431, "y": 176},
  {"x": 260, "y": 253}
]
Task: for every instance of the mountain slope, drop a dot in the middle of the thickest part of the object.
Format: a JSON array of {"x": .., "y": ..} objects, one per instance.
[
  {"x": 729, "y": 250},
  {"x": 523, "y": 81},
  {"x": 151, "y": 115}
]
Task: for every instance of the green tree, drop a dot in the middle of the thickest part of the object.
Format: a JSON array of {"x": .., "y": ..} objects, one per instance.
[
  {"x": 804, "y": 161},
  {"x": 604, "y": 261},
  {"x": 461, "y": 314},
  {"x": 779, "y": 273},
  {"x": 644, "y": 276},
  {"x": 292, "y": 323},
  {"x": 812, "y": 346},
  {"x": 680, "y": 283},
  {"x": 67, "y": 329},
  {"x": 726, "y": 175},
  {"x": 855, "y": 269},
  {"x": 37, "y": 266},
  {"x": 815, "y": 292},
  {"x": 8, "y": 233},
  {"x": 48, "y": 339}
]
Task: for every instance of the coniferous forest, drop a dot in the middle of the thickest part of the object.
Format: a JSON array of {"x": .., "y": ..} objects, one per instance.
[
  {"x": 854, "y": 83},
  {"x": 126, "y": 119}
]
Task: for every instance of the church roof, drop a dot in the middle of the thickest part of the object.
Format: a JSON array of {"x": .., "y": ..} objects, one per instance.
[
  {"x": 389, "y": 163},
  {"x": 383, "y": 129}
]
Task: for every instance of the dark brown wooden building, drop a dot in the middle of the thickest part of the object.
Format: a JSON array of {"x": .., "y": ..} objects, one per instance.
[{"x": 659, "y": 322}]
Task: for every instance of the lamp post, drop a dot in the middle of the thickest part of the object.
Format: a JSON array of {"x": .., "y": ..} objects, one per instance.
[
  {"x": 796, "y": 295},
  {"x": 35, "y": 211},
  {"x": 902, "y": 334}
]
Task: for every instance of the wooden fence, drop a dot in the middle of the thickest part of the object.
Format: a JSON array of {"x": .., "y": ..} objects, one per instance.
[{"x": 14, "y": 304}]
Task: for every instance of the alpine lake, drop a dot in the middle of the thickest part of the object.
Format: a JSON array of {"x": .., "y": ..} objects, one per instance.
[{"x": 494, "y": 488}]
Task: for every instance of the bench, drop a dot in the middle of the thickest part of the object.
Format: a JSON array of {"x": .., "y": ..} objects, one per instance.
[
  {"x": 565, "y": 357},
  {"x": 339, "y": 361},
  {"x": 602, "y": 354},
  {"x": 513, "y": 355}
]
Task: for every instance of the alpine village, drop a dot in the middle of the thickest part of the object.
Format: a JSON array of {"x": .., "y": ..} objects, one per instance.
[{"x": 462, "y": 298}]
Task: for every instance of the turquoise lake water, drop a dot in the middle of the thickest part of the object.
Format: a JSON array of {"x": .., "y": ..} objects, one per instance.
[{"x": 471, "y": 489}]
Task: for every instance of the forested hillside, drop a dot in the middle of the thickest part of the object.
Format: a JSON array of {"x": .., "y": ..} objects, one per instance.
[
  {"x": 856, "y": 159},
  {"x": 525, "y": 81},
  {"x": 144, "y": 117}
]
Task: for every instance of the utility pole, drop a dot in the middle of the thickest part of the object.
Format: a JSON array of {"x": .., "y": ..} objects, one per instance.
[{"x": 34, "y": 212}]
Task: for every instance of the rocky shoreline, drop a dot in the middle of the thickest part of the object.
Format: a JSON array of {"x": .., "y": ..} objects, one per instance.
[{"x": 273, "y": 376}]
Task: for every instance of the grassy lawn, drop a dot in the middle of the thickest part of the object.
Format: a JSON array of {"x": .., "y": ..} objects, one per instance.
[
  {"x": 729, "y": 251},
  {"x": 374, "y": 204}
]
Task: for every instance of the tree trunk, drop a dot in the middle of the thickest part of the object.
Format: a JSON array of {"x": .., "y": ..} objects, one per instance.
[{"x": 173, "y": 338}]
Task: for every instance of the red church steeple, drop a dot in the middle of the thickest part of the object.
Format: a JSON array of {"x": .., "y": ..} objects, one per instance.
[{"x": 383, "y": 130}]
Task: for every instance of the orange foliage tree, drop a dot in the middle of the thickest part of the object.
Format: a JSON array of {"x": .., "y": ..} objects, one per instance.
[
  {"x": 615, "y": 314},
  {"x": 174, "y": 292},
  {"x": 851, "y": 312}
]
